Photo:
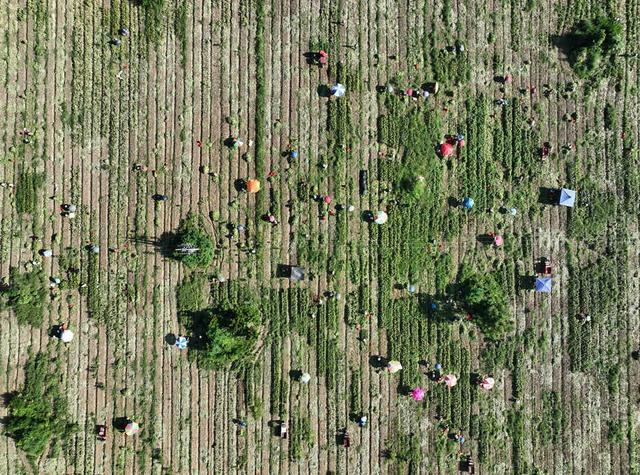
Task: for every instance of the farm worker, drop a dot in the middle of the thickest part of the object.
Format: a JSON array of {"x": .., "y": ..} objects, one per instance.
[
  {"x": 389, "y": 89},
  {"x": 123, "y": 31},
  {"x": 513, "y": 211},
  {"x": 293, "y": 154},
  {"x": 362, "y": 421},
  {"x": 327, "y": 199},
  {"x": 508, "y": 78},
  {"x": 94, "y": 249},
  {"x": 115, "y": 42},
  {"x": 394, "y": 366},
  {"x": 46, "y": 252},
  {"x": 322, "y": 57},
  {"x": 158, "y": 197},
  {"x": 241, "y": 423},
  {"x": 305, "y": 378},
  {"x": 272, "y": 219},
  {"x": 459, "y": 438}
]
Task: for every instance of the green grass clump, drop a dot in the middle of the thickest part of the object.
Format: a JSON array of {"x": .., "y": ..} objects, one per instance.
[
  {"x": 27, "y": 295},
  {"x": 592, "y": 46},
  {"x": 153, "y": 14},
  {"x": 191, "y": 295},
  {"x": 191, "y": 234},
  {"x": 27, "y": 191},
  {"x": 38, "y": 413},
  {"x": 483, "y": 296}
]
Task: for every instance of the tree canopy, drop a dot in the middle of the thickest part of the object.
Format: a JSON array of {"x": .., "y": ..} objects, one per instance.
[
  {"x": 231, "y": 331},
  {"x": 485, "y": 299},
  {"x": 592, "y": 46},
  {"x": 191, "y": 235},
  {"x": 27, "y": 294},
  {"x": 38, "y": 412}
]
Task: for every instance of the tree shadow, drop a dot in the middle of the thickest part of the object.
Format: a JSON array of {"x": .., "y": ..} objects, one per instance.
[
  {"x": 548, "y": 196},
  {"x": 165, "y": 244}
]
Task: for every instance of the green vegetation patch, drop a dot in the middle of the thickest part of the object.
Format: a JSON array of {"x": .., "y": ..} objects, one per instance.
[
  {"x": 38, "y": 413},
  {"x": 153, "y": 19},
  {"x": 194, "y": 247},
  {"x": 27, "y": 295},
  {"x": 28, "y": 189}
]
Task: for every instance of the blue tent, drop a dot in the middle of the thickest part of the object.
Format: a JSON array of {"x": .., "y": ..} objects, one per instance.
[
  {"x": 543, "y": 284},
  {"x": 468, "y": 203},
  {"x": 567, "y": 197}
]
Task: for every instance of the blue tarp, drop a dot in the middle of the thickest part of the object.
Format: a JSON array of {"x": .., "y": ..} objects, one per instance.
[
  {"x": 543, "y": 284},
  {"x": 567, "y": 197}
]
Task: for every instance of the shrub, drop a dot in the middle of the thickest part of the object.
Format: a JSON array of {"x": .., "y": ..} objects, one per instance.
[
  {"x": 191, "y": 235},
  {"x": 413, "y": 187},
  {"x": 38, "y": 412},
  {"x": 485, "y": 299},
  {"x": 592, "y": 46},
  {"x": 27, "y": 188},
  {"x": 27, "y": 295},
  {"x": 231, "y": 333}
]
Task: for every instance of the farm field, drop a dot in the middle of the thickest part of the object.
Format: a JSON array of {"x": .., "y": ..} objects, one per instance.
[{"x": 136, "y": 130}]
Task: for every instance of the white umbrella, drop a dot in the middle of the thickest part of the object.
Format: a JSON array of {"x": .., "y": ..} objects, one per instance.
[
  {"x": 487, "y": 383},
  {"x": 394, "y": 366},
  {"x": 182, "y": 343},
  {"x": 66, "y": 336},
  {"x": 450, "y": 380},
  {"x": 381, "y": 217},
  {"x": 338, "y": 90},
  {"x": 305, "y": 378},
  {"x": 132, "y": 428}
]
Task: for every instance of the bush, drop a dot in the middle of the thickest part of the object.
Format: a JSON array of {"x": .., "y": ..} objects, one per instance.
[
  {"x": 27, "y": 295},
  {"x": 27, "y": 188},
  {"x": 413, "y": 187},
  {"x": 191, "y": 235},
  {"x": 232, "y": 331},
  {"x": 487, "y": 302},
  {"x": 592, "y": 46},
  {"x": 38, "y": 413}
]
